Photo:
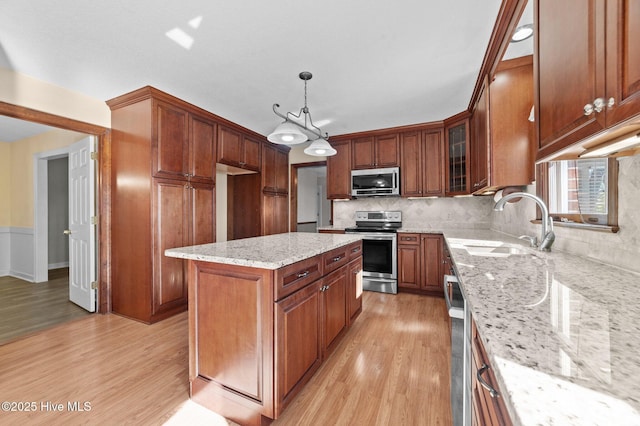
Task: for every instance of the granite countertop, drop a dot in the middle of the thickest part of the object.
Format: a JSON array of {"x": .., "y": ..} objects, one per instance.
[
  {"x": 562, "y": 332},
  {"x": 268, "y": 252}
]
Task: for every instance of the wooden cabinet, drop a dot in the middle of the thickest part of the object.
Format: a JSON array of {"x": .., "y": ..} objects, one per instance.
[
  {"x": 339, "y": 171},
  {"x": 163, "y": 197},
  {"x": 502, "y": 144},
  {"x": 422, "y": 163},
  {"x": 275, "y": 191},
  {"x": 586, "y": 53},
  {"x": 275, "y": 168},
  {"x": 376, "y": 152},
  {"x": 238, "y": 149},
  {"x": 183, "y": 144},
  {"x": 275, "y": 213},
  {"x": 420, "y": 262},
  {"x": 334, "y": 308},
  {"x": 298, "y": 319},
  {"x": 258, "y": 336},
  {"x": 488, "y": 407},
  {"x": 457, "y": 157},
  {"x": 480, "y": 140}
]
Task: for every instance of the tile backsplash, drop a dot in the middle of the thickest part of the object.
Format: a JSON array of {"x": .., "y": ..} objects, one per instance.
[
  {"x": 621, "y": 249},
  {"x": 422, "y": 213}
]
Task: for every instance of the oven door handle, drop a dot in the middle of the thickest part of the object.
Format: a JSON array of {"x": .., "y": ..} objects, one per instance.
[
  {"x": 454, "y": 312},
  {"x": 381, "y": 237}
]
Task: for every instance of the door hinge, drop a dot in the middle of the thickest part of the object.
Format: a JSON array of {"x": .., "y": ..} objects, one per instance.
[
  {"x": 94, "y": 155},
  {"x": 94, "y": 285},
  {"x": 94, "y": 220}
]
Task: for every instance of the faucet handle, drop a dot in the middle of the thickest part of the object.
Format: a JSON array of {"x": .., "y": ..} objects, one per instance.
[{"x": 533, "y": 241}]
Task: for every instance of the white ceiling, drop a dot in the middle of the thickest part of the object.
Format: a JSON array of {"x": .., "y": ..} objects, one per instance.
[{"x": 375, "y": 64}]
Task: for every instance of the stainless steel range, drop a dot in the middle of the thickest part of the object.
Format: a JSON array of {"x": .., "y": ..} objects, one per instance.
[{"x": 379, "y": 231}]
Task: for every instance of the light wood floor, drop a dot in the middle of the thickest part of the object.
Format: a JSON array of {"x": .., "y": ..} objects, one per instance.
[
  {"x": 28, "y": 307},
  {"x": 392, "y": 367}
]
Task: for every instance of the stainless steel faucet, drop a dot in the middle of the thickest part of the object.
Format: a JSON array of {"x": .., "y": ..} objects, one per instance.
[{"x": 547, "y": 237}]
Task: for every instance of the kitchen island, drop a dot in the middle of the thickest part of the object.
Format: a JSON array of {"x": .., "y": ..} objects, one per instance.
[
  {"x": 264, "y": 313},
  {"x": 560, "y": 331}
]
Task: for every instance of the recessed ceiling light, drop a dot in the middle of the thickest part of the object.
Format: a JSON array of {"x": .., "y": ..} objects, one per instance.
[{"x": 523, "y": 32}]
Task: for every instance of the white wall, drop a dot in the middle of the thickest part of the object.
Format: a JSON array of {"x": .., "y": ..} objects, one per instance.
[
  {"x": 5, "y": 253},
  {"x": 221, "y": 207},
  {"x": 621, "y": 249},
  {"x": 307, "y": 195}
]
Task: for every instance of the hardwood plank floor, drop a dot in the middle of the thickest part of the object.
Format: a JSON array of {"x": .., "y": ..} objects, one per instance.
[
  {"x": 392, "y": 367},
  {"x": 29, "y": 307}
]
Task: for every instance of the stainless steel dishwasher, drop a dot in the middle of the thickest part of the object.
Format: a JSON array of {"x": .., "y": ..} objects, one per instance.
[{"x": 460, "y": 351}]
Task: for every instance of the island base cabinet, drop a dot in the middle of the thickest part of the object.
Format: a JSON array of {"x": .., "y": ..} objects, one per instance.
[{"x": 254, "y": 342}]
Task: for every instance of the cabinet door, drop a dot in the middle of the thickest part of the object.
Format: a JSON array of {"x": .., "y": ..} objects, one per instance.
[
  {"x": 433, "y": 175},
  {"x": 363, "y": 153},
  {"x": 171, "y": 142},
  {"x": 202, "y": 155},
  {"x": 251, "y": 154},
  {"x": 203, "y": 224},
  {"x": 432, "y": 262},
  {"x": 298, "y": 339},
  {"x": 275, "y": 213},
  {"x": 275, "y": 169},
  {"x": 411, "y": 164},
  {"x": 457, "y": 158},
  {"x": 570, "y": 69},
  {"x": 282, "y": 171},
  {"x": 229, "y": 146},
  {"x": 354, "y": 289},
  {"x": 623, "y": 59},
  {"x": 480, "y": 141},
  {"x": 334, "y": 309},
  {"x": 339, "y": 171},
  {"x": 171, "y": 228},
  {"x": 387, "y": 151},
  {"x": 409, "y": 260}
]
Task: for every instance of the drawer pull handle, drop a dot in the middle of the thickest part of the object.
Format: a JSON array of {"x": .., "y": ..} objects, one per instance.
[
  {"x": 355, "y": 250},
  {"x": 303, "y": 274},
  {"x": 335, "y": 259},
  {"x": 494, "y": 393}
]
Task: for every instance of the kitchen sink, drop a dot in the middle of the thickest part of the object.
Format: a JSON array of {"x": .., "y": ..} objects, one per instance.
[{"x": 495, "y": 251}]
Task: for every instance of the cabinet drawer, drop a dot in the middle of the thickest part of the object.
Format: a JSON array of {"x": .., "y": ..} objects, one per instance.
[
  {"x": 297, "y": 275},
  {"x": 355, "y": 250},
  {"x": 336, "y": 258},
  {"x": 408, "y": 238}
]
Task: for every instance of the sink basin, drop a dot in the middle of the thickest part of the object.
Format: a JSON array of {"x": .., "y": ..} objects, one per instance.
[{"x": 492, "y": 251}]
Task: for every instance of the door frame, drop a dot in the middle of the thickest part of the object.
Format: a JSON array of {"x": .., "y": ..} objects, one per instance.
[
  {"x": 293, "y": 192},
  {"x": 103, "y": 187}
]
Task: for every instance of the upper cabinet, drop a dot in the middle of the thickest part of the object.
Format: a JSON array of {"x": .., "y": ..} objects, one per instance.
[
  {"x": 457, "y": 157},
  {"x": 588, "y": 69},
  {"x": 501, "y": 143},
  {"x": 275, "y": 168},
  {"x": 422, "y": 163},
  {"x": 339, "y": 171},
  {"x": 238, "y": 149},
  {"x": 376, "y": 152}
]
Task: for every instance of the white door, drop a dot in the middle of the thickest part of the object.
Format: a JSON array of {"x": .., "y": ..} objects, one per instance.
[{"x": 82, "y": 249}]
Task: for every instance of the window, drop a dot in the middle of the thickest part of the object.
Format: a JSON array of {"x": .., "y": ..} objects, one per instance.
[{"x": 582, "y": 191}]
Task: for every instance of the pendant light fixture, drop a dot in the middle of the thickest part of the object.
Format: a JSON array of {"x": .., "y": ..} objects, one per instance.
[{"x": 288, "y": 132}]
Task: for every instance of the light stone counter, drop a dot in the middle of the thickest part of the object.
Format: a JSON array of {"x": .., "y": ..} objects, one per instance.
[
  {"x": 562, "y": 332},
  {"x": 268, "y": 252}
]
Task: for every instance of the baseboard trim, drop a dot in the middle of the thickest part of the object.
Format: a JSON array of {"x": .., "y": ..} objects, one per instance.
[{"x": 58, "y": 265}]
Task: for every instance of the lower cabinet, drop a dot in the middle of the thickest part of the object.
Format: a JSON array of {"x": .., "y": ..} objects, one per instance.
[
  {"x": 257, "y": 336},
  {"x": 420, "y": 262},
  {"x": 488, "y": 407}
]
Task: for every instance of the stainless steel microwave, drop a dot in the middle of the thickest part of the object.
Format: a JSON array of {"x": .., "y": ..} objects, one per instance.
[{"x": 375, "y": 182}]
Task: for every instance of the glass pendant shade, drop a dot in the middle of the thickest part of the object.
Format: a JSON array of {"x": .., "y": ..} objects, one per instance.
[
  {"x": 320, "y": 148},
  {"x": 287, "y": 134}
]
